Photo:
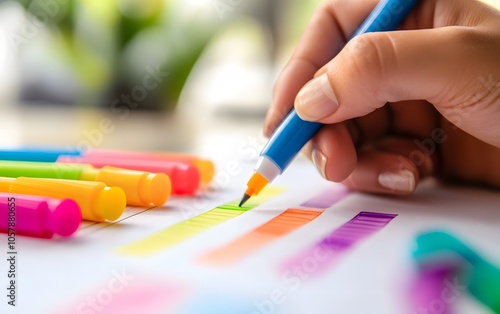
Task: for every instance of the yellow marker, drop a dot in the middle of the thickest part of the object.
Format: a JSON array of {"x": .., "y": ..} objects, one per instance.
[
  {"x": 97, "y": 201},
  {"x": 142, "y": 188}
]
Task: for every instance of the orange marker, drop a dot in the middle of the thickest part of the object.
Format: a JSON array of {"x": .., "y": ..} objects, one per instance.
[{"x": 97, "y": 201}]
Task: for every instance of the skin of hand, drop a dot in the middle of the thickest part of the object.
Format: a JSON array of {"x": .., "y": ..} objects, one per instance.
[{"x": 398, "y": 106}]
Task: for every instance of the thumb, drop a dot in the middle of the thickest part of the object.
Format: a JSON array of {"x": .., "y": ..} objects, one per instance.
[{"x": 445, "y": 66}]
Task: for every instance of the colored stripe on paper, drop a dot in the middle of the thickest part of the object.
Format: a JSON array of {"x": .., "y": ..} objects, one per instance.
[
  {"x": 188, "y": 228},
  {"x": 135, "y": 297},
  {"x": 217, "y": 303},
  {"x": 279, "y": 226},
  {"x": 324, "y": 253},
  {"x": 327, "y": 198}
]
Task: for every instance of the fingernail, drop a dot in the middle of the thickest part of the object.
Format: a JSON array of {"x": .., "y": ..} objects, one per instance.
[
  {"x": 319, "y": 160},
  {"x": 316, "y": 99},
  {"x": 403, "y": 181}
]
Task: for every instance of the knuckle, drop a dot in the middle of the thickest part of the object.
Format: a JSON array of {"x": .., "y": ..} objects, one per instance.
[
  {"x": 371, "y": 58},
  {"x": 327, "y": 5}
]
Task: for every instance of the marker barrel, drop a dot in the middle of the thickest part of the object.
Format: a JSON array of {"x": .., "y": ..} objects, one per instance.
[
  {"x": 36, "y": 154},
  {"x": 37, "y": 216}
]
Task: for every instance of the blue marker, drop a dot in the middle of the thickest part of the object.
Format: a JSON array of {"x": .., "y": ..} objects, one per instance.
[
  {"x": 293, "y": 133},
  {"x": 37, "y": 154}
]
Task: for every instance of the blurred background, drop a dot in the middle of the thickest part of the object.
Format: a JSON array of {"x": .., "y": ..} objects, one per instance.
[{"x": 144, "y": 75}]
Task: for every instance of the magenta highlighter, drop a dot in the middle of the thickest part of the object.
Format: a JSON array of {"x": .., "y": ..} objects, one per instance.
[{"x": 37, "y": 216}]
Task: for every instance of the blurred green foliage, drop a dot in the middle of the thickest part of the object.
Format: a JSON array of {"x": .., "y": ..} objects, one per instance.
[{"x": 110, "y": 44}]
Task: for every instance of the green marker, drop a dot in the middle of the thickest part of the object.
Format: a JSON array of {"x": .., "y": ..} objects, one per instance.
[{"x": 141, "y": 188}]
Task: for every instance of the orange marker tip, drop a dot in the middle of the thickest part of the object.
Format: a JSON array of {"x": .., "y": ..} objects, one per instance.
[{"x": 244, "y": 199}]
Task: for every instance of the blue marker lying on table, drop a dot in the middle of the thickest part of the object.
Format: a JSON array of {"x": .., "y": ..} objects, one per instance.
[
  {"x": 37, "y": 154},
  {"x": 293, "y": 133}
]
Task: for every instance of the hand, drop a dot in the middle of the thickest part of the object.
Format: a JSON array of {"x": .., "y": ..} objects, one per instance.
[{"x": 398, "y": 106}]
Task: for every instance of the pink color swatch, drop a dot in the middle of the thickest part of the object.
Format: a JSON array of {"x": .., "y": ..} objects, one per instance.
[{"x": 128, "y": 295}]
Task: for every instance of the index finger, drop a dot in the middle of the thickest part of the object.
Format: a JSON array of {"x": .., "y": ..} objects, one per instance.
[{"x": 331, "y": 24}]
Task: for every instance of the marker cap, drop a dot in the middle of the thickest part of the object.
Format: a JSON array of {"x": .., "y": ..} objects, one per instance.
[
  {"x": 39, "y": 216},
  {"x": 142, "y": 188},
  {"x": 185, "y": 178},
  {"x": 97, "y": 201},
  {"x": 206, "y": 168},
  {"x": 65, "y": 217},
  {"x": 109, "y": 202}
]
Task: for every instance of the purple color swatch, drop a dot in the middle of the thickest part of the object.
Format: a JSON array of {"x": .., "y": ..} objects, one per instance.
[
  {"x": 327, "y": 198},
  {"x": 324, "y": 253}
]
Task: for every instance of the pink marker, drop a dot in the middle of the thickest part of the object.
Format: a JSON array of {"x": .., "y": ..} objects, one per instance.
[
  {"x": 206, "y": 167},
  {"x": 38, "y": 216},
  {"x": 185, "y": 178}
]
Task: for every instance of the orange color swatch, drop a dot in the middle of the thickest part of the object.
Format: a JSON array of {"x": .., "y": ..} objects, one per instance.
[{"x": 279, "y": 226}]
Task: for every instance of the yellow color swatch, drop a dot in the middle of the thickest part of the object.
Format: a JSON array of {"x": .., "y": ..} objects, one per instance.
[{"x": 188, "y": 228}]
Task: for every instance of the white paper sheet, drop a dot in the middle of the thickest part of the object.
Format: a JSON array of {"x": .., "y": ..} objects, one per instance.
[{"x": 84, "y": 274}]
